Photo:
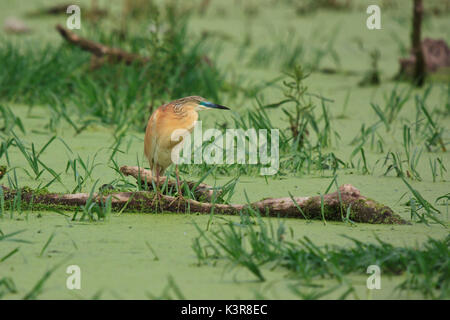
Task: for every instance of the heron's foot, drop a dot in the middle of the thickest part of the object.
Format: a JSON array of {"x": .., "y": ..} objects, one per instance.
[
  {"x": 157, "y": 199},
  {"x": 179, "y": 199}
]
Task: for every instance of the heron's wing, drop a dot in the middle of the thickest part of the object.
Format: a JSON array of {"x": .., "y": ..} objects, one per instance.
[
  {"x": 161, "y": 136},
  {"x": 157, "y": 142},
  {"x": 150, "y": 140}
]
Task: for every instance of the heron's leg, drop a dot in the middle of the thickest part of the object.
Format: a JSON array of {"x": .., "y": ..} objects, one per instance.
[
  {"x": 158, "y": 191},
  {"x": 157, "y": 179},
  {"x": 177, "y": 173},
  {"x": 179, "y": 197}
]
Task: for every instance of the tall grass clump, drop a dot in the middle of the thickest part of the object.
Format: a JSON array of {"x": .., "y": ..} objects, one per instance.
[
  {"x": 394, "y": 103},
  {"x": 428, "y": 125}
]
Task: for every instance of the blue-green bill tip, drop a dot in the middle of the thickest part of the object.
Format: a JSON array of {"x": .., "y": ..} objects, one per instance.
[{"x": 213, "y": 105}]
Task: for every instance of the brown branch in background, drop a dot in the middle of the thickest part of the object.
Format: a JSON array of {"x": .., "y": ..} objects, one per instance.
[
  {"x": 113, "y": 55},
  {"x": 59, "y": 9},
  {"x": 335, "y": 204},
  {"x": 52, "y": 10},
  {"x": 417, "y": 50},
  {"x": 102, "y": 53}
]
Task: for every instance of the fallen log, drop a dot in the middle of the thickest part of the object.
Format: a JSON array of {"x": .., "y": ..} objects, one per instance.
[
  {"x": 100, "y": 51},
  {"x": 335, "y": 205}
]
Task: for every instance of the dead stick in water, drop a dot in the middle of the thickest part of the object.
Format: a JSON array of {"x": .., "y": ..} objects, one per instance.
[{"x": 362, "y": 209}]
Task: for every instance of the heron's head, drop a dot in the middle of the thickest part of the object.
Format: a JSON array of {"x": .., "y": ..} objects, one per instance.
[{"x": 198, "y": 104}]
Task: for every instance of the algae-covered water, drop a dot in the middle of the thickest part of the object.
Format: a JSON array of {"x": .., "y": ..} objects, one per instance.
[{"x": 116, "y": 257}]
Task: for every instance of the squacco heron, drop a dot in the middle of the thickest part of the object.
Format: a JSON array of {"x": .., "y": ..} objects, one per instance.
[{"x": 158, "y": 143}]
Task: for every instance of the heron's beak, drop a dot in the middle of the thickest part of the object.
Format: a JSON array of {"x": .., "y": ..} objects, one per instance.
[{"x": 211, "y": 105}]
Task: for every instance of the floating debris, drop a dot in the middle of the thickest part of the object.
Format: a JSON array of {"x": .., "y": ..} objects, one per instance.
[{"x": 15, "y": 26}]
